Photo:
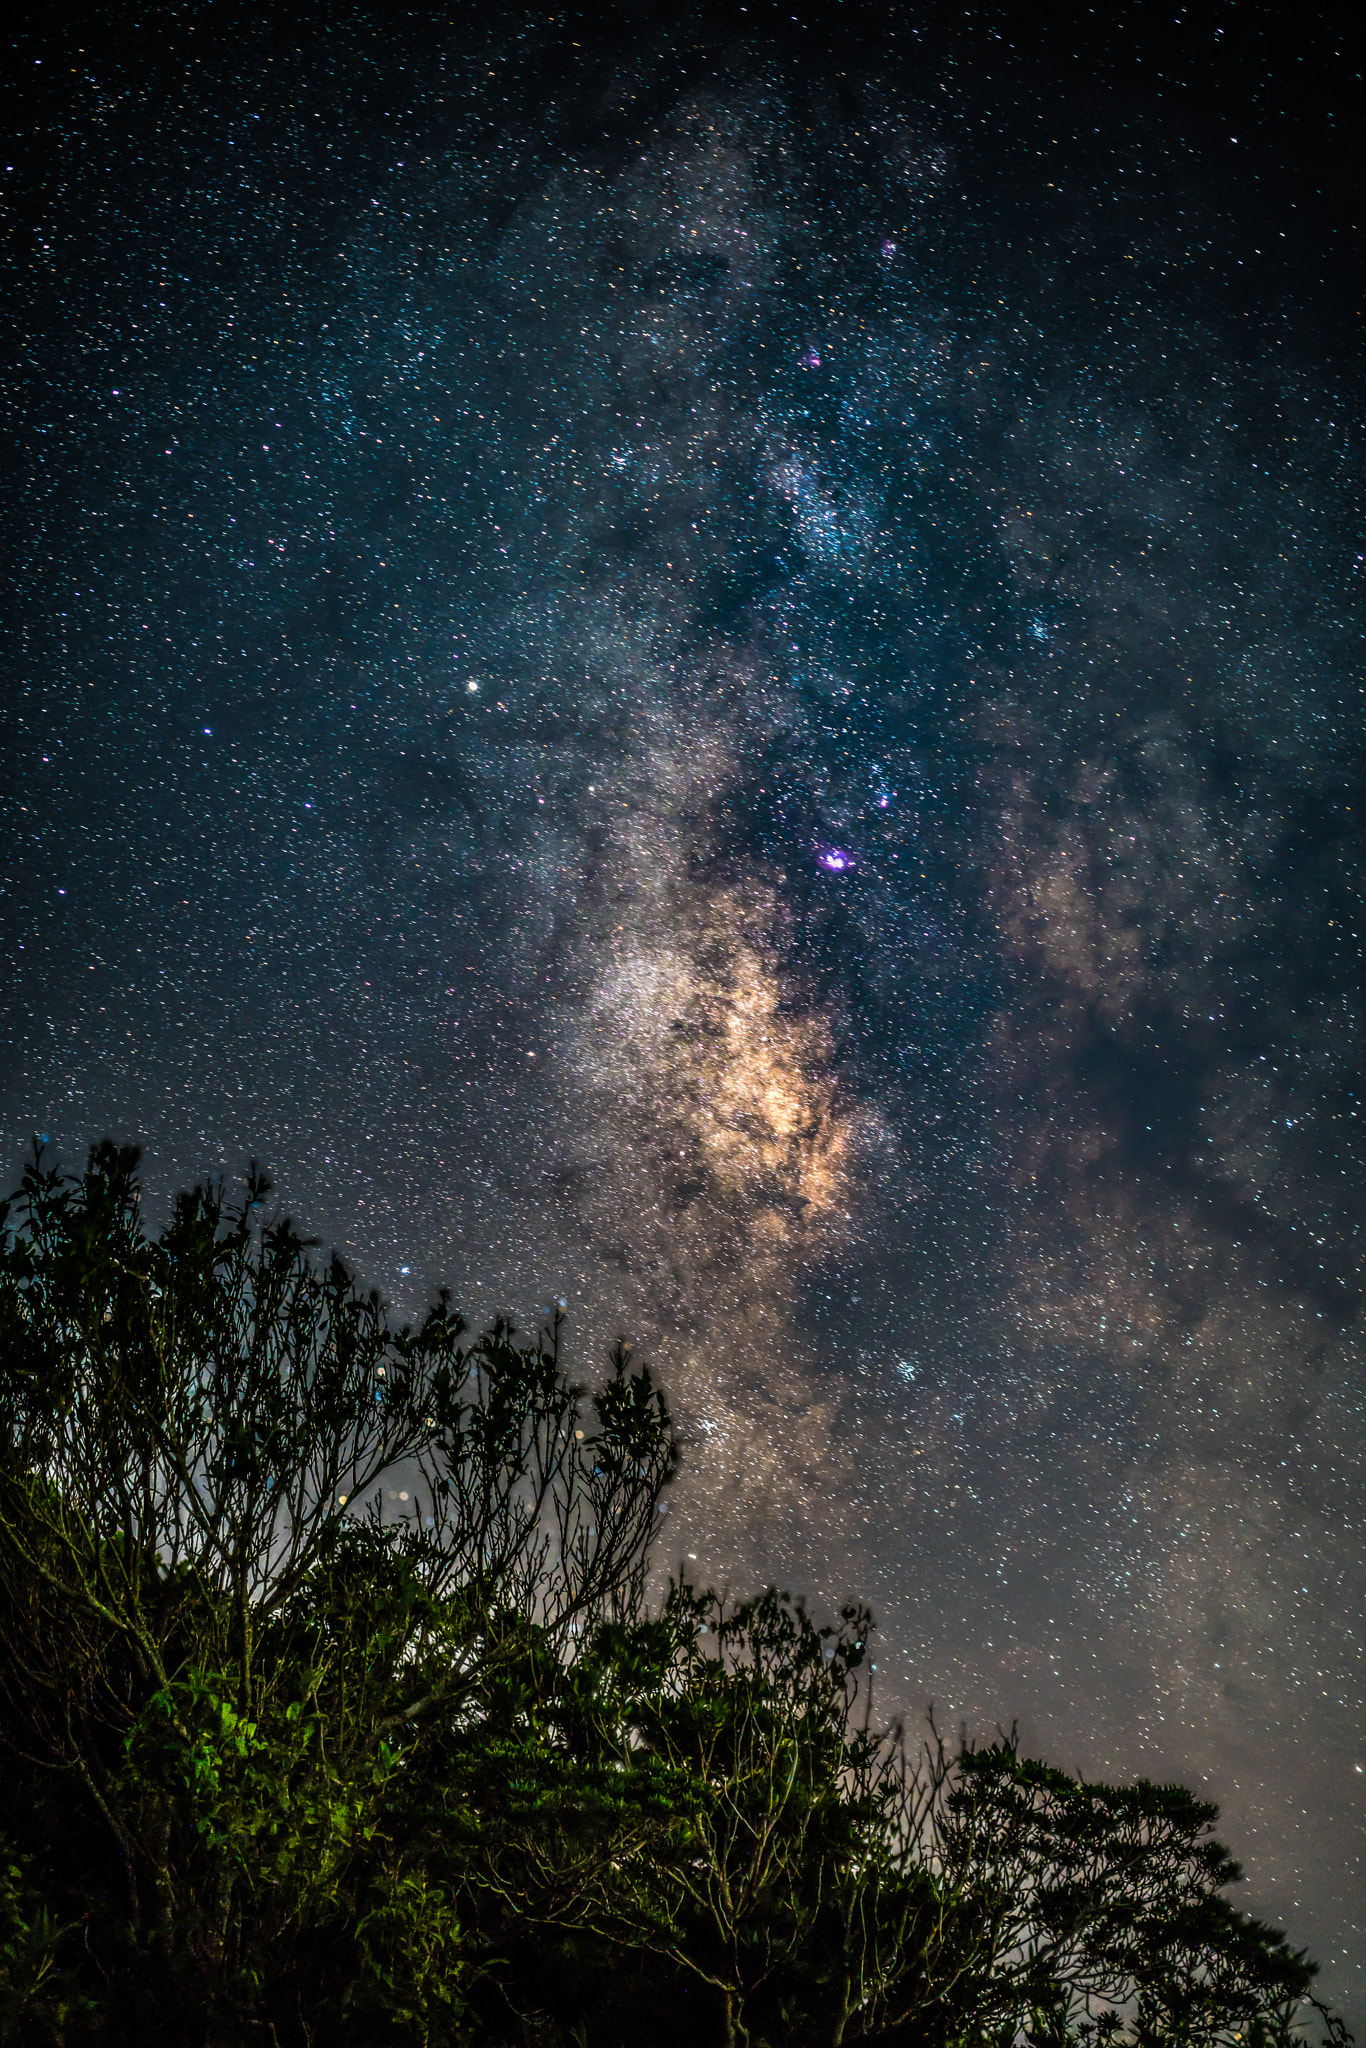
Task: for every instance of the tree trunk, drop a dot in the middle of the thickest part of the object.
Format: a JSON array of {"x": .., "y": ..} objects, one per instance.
[
  {"x": 839, "y": 2018},
  {"x": 732, "y": 2033}
]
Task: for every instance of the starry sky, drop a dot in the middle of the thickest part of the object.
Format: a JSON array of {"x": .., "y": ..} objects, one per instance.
[{"x": 711, "y": 662}]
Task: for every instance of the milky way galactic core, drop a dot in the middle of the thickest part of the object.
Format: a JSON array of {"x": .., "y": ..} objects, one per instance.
[{"x": 717, "y": 671}]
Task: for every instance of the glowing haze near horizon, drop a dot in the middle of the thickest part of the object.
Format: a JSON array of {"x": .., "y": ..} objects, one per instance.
[{"x": 725, "y": 682}]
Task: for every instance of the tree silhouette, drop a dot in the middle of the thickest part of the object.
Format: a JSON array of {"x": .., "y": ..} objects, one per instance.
[
  {"x": 283, "y": 1768},
  {"x": 202, "y": 1627}
]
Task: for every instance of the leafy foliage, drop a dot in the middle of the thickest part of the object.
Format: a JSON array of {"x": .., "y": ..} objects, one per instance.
[{"x": 282, "y": 1768}]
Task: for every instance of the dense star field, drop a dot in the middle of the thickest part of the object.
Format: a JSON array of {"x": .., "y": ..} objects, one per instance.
[{"x": 717, "y": 670}]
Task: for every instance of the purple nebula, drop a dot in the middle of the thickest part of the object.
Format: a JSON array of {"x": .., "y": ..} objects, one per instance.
[{"x": 835, "y": 860}]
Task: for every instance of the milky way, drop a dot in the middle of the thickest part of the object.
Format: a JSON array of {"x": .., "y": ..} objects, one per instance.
[{"x": 724, "y": 678}]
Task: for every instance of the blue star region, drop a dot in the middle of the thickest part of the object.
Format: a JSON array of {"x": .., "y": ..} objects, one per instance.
[{"x": 717, "y": 670}]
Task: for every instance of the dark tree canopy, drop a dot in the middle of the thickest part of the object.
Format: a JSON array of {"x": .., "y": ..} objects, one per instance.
[{"x": 280, "y": 1766}]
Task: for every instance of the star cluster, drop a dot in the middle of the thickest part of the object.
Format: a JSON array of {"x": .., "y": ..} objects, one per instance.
[{"x": 722, "y": 674}]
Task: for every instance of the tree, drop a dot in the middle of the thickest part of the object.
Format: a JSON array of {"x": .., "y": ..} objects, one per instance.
[
  {"x": 779, "y": 1878},
  {"x": 222, "y": 1657},
  {"x": 701, "y": 1792},
  {"x": 1096, "y": 1912}
]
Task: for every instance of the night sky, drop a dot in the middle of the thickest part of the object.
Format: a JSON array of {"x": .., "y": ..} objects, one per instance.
[{"x": 712, "y": 664}]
